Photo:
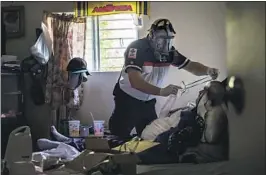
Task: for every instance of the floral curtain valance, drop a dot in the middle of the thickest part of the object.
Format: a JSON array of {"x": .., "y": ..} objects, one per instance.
[{"x": 92, "y": 8}]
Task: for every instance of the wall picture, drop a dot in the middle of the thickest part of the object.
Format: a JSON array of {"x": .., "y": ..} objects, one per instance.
[{"x": 13, "y": 17}]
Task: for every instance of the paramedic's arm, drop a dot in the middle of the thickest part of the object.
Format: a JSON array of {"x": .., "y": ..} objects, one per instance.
[
  {"x": 196, "y": 68},
  {"x": 140, "y": 84},
  {"x": 193, "y": 67}
]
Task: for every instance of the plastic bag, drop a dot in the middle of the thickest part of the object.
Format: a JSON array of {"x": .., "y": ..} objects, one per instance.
[
  {"x": 167, "y": 106},
  {"x": 42, "y": 49}
]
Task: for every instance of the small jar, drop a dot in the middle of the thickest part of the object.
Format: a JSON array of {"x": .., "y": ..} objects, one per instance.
[{"x": 84, "y": 131}]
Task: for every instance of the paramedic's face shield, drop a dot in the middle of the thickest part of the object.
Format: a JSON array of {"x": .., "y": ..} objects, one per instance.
[
  {"x": 163, "y": 41},
  {"x": 75, "y": 79}
]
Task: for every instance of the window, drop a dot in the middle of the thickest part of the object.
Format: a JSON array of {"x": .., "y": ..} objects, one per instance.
[{"x": 107, "y": 38}]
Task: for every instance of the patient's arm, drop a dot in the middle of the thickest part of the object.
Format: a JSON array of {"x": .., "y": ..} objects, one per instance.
[{"x": 216, "y": 122}]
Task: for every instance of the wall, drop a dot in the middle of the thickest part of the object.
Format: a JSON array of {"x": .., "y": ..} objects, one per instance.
[
  {"x": 246, "y": 57},
  {"x": 200, "y": 28}
]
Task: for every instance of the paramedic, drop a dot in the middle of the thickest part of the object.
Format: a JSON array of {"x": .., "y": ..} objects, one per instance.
[{"x": 147, "y": 62}]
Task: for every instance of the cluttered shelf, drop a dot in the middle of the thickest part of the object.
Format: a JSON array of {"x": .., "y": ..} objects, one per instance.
[{"x": 12, "y": 92}]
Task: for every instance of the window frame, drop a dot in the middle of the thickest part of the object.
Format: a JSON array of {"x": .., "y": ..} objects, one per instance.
[{"x": 96, "y": 52}]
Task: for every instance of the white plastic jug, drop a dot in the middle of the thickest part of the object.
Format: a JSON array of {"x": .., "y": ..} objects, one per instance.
[{"x": 19, "y": 146}]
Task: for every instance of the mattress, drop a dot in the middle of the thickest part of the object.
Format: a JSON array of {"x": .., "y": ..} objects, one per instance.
[
  {"x": 178, "y": 169},
  {"x": 232, "y": 167}
]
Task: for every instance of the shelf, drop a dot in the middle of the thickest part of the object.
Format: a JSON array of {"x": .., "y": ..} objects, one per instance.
[
  {"x": 16, "y": 114},
  {"x": 13, "y": 93},
  {"x": 10, "y": 73},
  {"x": 6, "y": 118}
]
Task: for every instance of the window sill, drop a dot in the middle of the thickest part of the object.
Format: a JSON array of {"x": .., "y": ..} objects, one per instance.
[{"x": 105, "y": 72}]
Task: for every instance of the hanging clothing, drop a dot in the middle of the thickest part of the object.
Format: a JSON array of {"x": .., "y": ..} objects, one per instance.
[{"x": 66, "y": 32}]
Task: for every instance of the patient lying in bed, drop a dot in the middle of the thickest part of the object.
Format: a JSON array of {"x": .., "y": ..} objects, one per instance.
[
  {"x": 198, "y": 134},
  {"x": 203, "y": 108}
]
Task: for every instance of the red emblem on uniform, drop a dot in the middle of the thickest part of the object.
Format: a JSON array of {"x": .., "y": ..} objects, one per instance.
[{"x": 132, "y": 53}]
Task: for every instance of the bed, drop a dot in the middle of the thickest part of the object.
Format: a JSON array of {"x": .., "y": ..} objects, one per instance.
[
  {"x": 233, "y": 167},
  {"x": 253, "y": 166}
]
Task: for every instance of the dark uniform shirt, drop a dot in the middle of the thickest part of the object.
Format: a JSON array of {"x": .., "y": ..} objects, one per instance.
[{"x": 140, "y": 56}]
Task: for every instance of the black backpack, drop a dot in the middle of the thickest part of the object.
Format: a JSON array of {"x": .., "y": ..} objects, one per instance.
[{"x": 38, "y": 74}]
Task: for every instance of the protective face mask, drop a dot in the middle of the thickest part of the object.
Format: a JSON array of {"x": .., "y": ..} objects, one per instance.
[
  {"x": 163, "y": 45},
  {"x": 74, "y": 80},
  {"x": 162, "y": 42}
]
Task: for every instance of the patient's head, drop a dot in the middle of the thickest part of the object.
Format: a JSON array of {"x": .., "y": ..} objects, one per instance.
[
  {"x": 214, "y": 92},
  {"x": 229, "y": 90}
]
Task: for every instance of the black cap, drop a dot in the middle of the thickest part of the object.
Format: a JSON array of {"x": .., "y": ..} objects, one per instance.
[{"x": 77, "y": 65}]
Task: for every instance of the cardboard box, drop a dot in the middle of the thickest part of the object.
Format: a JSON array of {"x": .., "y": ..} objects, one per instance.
[
  {"x": 127, "y": 161},
  {"x": 97, "y": 144},
  {"x": 98, "y": 150}
]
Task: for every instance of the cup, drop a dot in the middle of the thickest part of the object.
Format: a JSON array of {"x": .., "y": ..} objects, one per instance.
[
  {"x": 84, "y": 130},
  {"x": 98, "y": 127},
  {"x": 73, "y": 126}
]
